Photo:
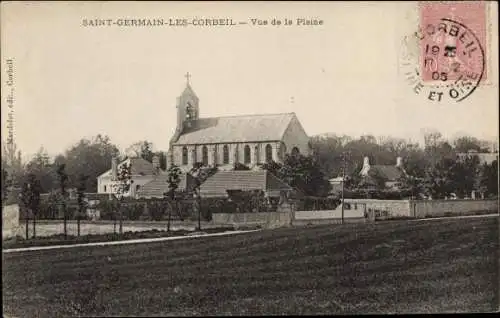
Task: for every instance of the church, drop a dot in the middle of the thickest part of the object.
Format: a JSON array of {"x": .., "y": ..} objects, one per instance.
[
  {"x": 250, "y": 140},
  {"x": 224, "y": 141}
]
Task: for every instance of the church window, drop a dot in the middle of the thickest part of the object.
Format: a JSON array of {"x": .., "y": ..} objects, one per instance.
[
  {"x": 295, "y": 151},
  {"x": 204, "y": 155},
  {"x": 184, "y": 155},
  {"x": 256, "y": 154},
  {"x": 246, "y": 155},
  {"x": 269, "y": 153},
  {"x": 225, "y": 154},
  {"x": 105, "y": 190},
  {"x": 137, "y": 187}
]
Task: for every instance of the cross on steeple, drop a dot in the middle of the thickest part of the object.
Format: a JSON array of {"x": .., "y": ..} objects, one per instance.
[{"x": 187, "y": 77}]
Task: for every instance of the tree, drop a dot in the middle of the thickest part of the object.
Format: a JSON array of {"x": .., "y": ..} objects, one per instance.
[
  {"x": 163, "y": 160},
  {"x": 489, "y": 178},
  {"x": 200, "y": 173},
  {"x": 90, "y": 157},
  {"x": 411, "y": 184},
  {"x": 302, "y": 172},
  {"x": 122, "y": 187},
  {"x": 466, "y": 143},
  {"x": 465, "y": 174},
  {"x": 438, "y": 179},
  {"x": 141, "y": 149},
  {"x": 81, "y": 199},
  {"x": 30, "y": 198},
  {"x": 173, "y": 181},
  {"x": 63, "y": 179},
  {"x": 41, "y": 167},
  {"x": 6, "y": 183}
]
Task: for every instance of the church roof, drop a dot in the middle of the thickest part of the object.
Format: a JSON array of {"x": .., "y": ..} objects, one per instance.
[
  {"x": 244, "y": 180},
  {"x": 189, "y": 91},
  {"x": 244, "y": 128}
]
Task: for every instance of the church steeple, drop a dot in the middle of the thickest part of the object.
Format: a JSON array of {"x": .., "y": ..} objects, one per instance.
[{"x": 187, "y": 107}]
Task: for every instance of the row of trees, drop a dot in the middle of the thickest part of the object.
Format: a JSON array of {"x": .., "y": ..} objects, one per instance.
[
  {"x": 434, "y": 169},
  {"x": 89, "y": 157}
]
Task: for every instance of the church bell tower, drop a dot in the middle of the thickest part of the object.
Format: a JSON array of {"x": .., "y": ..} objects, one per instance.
[
  {"x": 187, "y": 107},
  {"x": 187, "y": 112}
]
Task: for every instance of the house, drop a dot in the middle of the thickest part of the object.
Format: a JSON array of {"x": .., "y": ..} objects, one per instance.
[
  {"x": 391, "y": 174},
  {"x": 336, "y": 184},
  {"x": 484, "y": 157},
  {"x": 142, "y": 172},
  {"x": 224, "y": 141}
]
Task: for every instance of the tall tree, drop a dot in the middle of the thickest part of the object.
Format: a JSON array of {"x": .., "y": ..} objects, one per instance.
[
  {"x": 200, "y": 173},
  {"x": 141, "y": 149},
  {"x": 465, "y": 174},
  {"x": 174, "y": 178},
  {"x": 489, "y": 178},
  {"x": 91, "y": 157},
  {"x": 163, "y": 160},
  {"x": 6, "y": 184},
  {"x": 302, "y": 172},
  {"x": 41, "y": 167},
  {"x": 63, "y": 195},
  {"x": 123, "y": 185},
  {"x": 30, "y": 198},
  {"x": 81, "y": 199},
  {"x": 438, "y": 179},
  {"x": 466, "y": 143}
]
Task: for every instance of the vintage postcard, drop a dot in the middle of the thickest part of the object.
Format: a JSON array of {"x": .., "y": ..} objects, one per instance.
[{"x": 249, "y": 158}]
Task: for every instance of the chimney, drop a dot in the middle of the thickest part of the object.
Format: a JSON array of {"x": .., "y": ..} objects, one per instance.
[
  {"x": 156, "y": 164},
  {"x": 114, "y": 168},
  {"x": 399, "y": 162},
  {"x": 366, "y": 166},
  {"x": 366, "y": 162}
]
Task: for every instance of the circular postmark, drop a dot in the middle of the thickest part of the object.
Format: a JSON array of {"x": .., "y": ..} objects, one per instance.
[{"x": 443, "y": 61}]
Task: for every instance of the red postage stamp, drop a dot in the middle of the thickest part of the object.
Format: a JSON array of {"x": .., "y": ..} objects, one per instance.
[{"x": 452, "y": 37}]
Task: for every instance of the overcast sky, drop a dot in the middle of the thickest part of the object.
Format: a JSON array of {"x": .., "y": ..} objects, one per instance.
[{"x": 343, "y": 77}]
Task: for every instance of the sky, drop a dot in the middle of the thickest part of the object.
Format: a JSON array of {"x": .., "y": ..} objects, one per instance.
[{"x": 344, "y": 76}]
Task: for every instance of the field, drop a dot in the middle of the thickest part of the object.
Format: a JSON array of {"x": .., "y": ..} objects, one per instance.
[{"x": 388, "y": 267}]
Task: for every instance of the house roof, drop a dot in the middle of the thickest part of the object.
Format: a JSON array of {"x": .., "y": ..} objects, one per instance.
[
  {"x": 156, "y": 187},
  {"x": 99, "y": 196},
  {"x": 139, "y": 167},
  {"x": 391, "y": 173},
  {"x": 218, "y": 184},
  {"x": 245, "y": 128}
]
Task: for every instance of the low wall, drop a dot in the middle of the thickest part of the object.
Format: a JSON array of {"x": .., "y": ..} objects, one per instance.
[
  {"x": 425, "y": 208},
  {"x": 266, "y": 219},
  {"x": 384, "y": 208},
  {"x": 10, "y": 221},
  {"x": 303, "y": 222},
  {"x": 332, "y": 214}
]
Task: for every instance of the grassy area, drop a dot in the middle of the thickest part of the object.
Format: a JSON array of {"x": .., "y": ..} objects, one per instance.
[
  {"x": 59, "y": 239},
  {"x": 392, "y": 267}
]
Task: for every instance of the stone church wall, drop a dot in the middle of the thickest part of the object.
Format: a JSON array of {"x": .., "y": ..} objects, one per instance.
[{"x": 295, "y": 136}]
